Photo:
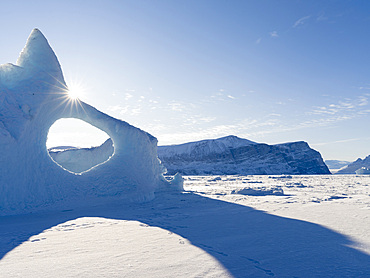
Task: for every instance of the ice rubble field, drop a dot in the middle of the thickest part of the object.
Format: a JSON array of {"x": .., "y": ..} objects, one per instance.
[{"x": 221, "y": 226}]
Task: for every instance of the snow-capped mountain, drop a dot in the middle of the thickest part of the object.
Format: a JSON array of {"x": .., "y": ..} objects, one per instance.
[
  {"x": 352, "y": 167},
  {"x": 233, "y": 155}
]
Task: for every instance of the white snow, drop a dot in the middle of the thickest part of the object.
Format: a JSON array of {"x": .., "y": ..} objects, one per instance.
[{"x": 318, "y": 227}]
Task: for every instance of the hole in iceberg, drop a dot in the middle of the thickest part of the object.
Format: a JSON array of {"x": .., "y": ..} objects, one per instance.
[{"x": 78, "y": 146}]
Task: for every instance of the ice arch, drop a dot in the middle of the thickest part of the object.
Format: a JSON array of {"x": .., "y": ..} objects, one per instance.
[
  {"x": 33, "y": 95},
  {"x": 70, "y": 149}
]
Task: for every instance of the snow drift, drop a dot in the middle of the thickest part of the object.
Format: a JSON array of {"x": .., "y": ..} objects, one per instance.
[{"x": 33, "y": 95}]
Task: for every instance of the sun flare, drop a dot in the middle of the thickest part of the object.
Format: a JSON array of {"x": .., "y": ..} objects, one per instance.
[
  {"x": 75, "y": 91},
  {"x": 73, "y": 94}
]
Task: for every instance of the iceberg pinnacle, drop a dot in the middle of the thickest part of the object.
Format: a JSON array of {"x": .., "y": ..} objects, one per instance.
[
  {"x": 37, "y": 55},
  {"x": 33, "y": 96}
]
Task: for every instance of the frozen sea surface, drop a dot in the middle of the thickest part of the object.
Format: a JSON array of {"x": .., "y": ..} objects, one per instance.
[{"x": 222, "y": 226}]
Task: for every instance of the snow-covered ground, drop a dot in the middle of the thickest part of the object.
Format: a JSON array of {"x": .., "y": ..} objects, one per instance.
[{"x": 238, "y": 226}]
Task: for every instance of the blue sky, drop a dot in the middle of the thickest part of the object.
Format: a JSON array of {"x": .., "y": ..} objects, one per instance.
[{"x": 269, "y": 71}]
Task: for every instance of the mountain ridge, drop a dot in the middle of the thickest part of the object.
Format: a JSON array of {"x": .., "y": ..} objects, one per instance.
[
  {"x": 205, "y": 157},
  {"x": 357, "y": 164}
]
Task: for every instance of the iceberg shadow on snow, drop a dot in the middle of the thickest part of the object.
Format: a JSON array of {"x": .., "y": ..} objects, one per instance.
[{"x": 246, "y": 241}]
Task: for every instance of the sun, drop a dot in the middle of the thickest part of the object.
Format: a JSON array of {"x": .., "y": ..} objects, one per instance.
[
  {"x": 75, "y": 91},
  {"x": 73, "y": 94}
]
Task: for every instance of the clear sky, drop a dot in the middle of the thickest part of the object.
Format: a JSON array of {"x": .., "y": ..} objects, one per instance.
[{"x": 269, "y": 71}]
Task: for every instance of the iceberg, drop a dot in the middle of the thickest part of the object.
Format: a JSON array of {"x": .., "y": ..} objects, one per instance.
[{"x": 33, "y": 95}]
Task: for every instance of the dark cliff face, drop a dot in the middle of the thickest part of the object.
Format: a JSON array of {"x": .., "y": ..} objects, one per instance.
[{"x": 253, "y": 159}]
